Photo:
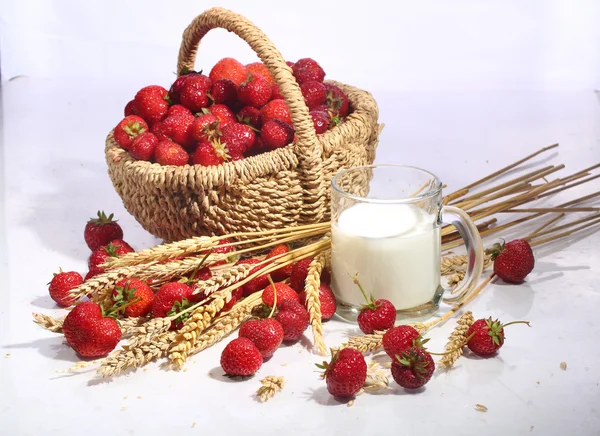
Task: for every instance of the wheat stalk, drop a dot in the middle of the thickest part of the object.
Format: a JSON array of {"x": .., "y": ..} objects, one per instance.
[
  {"x": 47, "y": 322},
  {"x": 457, "y": 340},
  {"x": 313, "y": 301},
  {"x": 270, "y": 386},
  {"x": 377, "y": 379}
]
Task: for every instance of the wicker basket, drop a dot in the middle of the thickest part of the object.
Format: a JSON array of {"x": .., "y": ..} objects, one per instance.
[{"x": 284, "y": 187}]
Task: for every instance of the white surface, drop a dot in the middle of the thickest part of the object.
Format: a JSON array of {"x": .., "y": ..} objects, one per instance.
[
  {"x": 403, "y": 44},
  {"x": 54, "y": 178}
]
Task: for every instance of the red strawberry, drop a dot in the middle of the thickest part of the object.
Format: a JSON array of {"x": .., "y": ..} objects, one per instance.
[
  {"x": 179, "y": 129},
  {"x": 512, "y": 261},
  {"x": 194, "y": 94},
  {"x": 130, "y": 108},
  {"x": 276, "y": 95},
  {"x": 283, "y": 291},
  {"x": 228, "y": 68},
  {"x": 251, "y": 116},
  {"x": 152, "y": 103},
  {"x": 127, "y": 130},
  {"x": 307, "y": 70},
  {"x": 257, "y": 283},
  {"x": 143, "y": 146},
  {"x": 93, "y": 272},
  {"x": 276, "y": 134},
  {"x": 161, "y": 131},
  {"x": 266, "y": 334},
  {"x": 208, "y": 154},
  {"x": 337, "y": 100},
  {"x": 294, "y": 319},
  {"x": 236, "y": 295},
  {"x": 375, "y": 315},
  {"x": 275, "y": 109},
  {"x": 255, "y": 91},
  {"x": 114, "y": 248},
  {"x": 89, "y": 333},
  {"x": 177, "y": 86},
  {"x": 61, "y": 285},
  {"x": 128, "y": 290},
  {"x": 397, "y": 340},
  {"x": 100, "y": 231},
  {"x": 320, "y": 121},
  {"x": 314, "y": 93},
  {"x": 328, "y": 301},
  {"x": 172, "y": 298},
  {"x": 299, "y": 274},
  {"x": 346, "y": 373},
  {"x": 177, "y": 109},
  {"x": 205, "y": 127},
  {"x": 413, "y": 368},
  {"x": 284, "y": 272},
  {"x": 241, "y": 358},
  {"x": 237, "y": 138},
  {"x": 260, "y": 68},
  {"x": 170, "y": 153},
  {"x": 487, "y": 336},
  {"x": 223, "y": 91},
  {"x": 290, "y": 64},
  {"x": 223, "y": 114}
]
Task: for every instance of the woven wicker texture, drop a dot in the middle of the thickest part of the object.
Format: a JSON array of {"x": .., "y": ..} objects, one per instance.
[{"x": 284, "y": 187}]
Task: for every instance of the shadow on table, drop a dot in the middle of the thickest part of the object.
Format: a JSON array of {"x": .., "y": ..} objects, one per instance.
[{"x": 53, "y": 348}]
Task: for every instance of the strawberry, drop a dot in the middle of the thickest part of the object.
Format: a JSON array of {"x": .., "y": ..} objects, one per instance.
[
  {"x": 486, "y": 336},
  {"x": 276, "y": 134},
  {"x": 413, "y": 368},
  {"x": 261, "y": 69},
  {"x": 314, "y": 93},
  {"x": 61, "y": 285},
  {"x": 251, "y": 116},
  {"x": 284, "y": 272},
  {"x": 290, "y": 64},
  {"x": 130, "y": 108},
  {"x": 512, "y": 261},
  {"x": 205, "y": 127},
  {"x": 237, "y": 138},
  {"x": 222, "y": 112},
  {"x": 328, "y": 301},
  {"x": 127, "y": 130},
  {"x": 266, "y": 334},
  {"x": 276, "y": 93},
  {"x": 397, "y": 340},
  {"x": 236, "y": 295},
  {"x": 307, "y": 70},
  {"x": 283, "y": 291},
  {"x": 143, "y": 146},
  {"x": 178, "y": 128},
  {"x": 320, "y": 121},
  {"x": 93, "y": 272},
  {"x": 275, "y": 109},
  {"x": 256, "y": 284},
  {"x": 171, "y": 298},
  {"x": 114, "y": 248},
  {"x": 177, "y": 86},
  {"x": 89, "y": 333},
  {"x": 299, "y": 274},
  {"x": 229, "y": 68},
  {"x": 294, "y": 319},
  {"x": 346, "y": 373},
  {"x": 128, "y": 290},
  {"x": 241, "y": 358},
  {"x": 223, "y": 91},
  {"x": 177, "y": 109},
  {"x": 100, "y": 231},
  {"x": 375, "y": 315},
  {"x": 152, "y": 103},
  {"x": 161, "y": 131},
  {"x": 208, "y": 154},
  {"x": 170, "y": 153},
  {"x": 255, "y": 91},
  {"x": 194, "y": 94},
  {"x": 337, "y": 100}
]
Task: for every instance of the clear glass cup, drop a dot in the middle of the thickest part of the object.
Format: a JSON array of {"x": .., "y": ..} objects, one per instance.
[{"x": 386, "y": 222}]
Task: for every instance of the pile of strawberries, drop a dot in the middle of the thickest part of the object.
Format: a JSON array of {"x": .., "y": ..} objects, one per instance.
[
  {"x": 235, "y": 112},
  {"x": 93, "y": 331}
]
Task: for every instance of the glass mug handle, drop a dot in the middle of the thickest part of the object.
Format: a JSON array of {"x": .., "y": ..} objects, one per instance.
[{"x": 469, "y": 233}]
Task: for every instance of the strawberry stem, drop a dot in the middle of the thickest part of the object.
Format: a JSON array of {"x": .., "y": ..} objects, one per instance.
[
  {"x": 516, "y": 322},
  {"x": 371, "y": 301}
]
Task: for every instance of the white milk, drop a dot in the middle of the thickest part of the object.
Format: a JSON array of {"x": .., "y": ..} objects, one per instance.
[{"x": 395, "y": 248}]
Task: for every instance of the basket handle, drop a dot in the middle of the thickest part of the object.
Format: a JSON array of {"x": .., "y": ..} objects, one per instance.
[{"x": 308, "y": 147}]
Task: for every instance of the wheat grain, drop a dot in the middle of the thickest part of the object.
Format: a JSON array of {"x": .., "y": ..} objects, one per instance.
[
  {"x": 49, "y": 323},
  {"x": 270, "y": 386},
  {"x": 130, "y": 325},
  {"x": 377, "y": 378},
  {"x": 223, "y": 279},
  {"x": 313, "y": 302},
  {"x": 457, "y": 340}
]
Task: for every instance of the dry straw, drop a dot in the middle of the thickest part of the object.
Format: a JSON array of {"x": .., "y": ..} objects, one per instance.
[{"x": 457, "y": 340}]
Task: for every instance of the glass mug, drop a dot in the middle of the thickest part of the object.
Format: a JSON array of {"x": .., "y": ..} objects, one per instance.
[{"x": 385, "y": 227}]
